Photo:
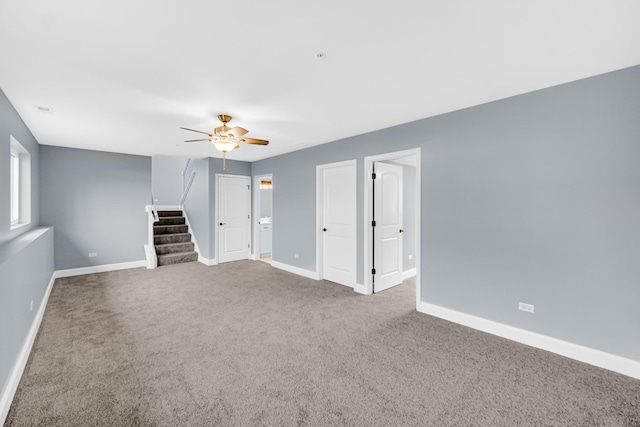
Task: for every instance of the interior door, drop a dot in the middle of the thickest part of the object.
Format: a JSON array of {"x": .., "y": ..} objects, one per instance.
[
  {"x": 387, "y": 232},
  {"x": 339, "y": 224},
  {"x": 234, "y": 217}
]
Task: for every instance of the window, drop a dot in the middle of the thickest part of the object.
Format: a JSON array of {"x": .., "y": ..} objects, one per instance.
[
  {"x": 15, "y": 188},
  {"x": 20, "y": 181}
]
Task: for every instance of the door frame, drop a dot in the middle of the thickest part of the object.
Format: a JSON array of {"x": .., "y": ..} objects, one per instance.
[
  {"x": 217, "y": 207},
  {"x": 367, "y": 289},
  {"x": 255, "y": 249},
  {"x": 320, "y": 219}
]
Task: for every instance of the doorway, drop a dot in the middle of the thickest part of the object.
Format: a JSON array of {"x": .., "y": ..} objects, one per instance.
[
  {"x": 263, "y": 217},
  {"x": 233, "y": 217},
  {"x": 392, "y": 242},
  {"x": 336, "y": 222}
]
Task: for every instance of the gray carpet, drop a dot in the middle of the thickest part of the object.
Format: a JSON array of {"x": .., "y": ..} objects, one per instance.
[{"x": 246, "y": 344}]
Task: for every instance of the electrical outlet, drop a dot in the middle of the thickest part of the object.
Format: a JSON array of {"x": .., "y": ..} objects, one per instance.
[
  {"x": 31, "y": 306},
  {"x": 526, "y": 307},
  {"x": 410, "y": 257},
  {"x": 92, "y": 254},
  {"x": 296, "y": 256}
]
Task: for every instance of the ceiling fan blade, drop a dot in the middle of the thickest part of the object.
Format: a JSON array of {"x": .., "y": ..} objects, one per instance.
[
  {"x": 237, "y": 131},
  {"x": 253, "y": 141},
  {"x": 199, "y": 131},
  {"x": 222, "y": 130},
  {"x": 197, "y": 140}
]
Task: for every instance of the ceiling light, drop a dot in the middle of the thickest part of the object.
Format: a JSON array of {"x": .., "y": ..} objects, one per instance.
[{"x": 224, "y": 144}]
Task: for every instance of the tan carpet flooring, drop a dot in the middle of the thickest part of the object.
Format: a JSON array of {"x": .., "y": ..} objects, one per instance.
[{"x": 244, "y": 344}]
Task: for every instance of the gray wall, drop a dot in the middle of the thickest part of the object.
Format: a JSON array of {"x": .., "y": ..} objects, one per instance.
[
  {"x": 96, "y": 202},
  {"x": 410, "y": 221},
  {"x": 197, "y": 207},
  {"x": 12, "y": 124},
  {"x": 266, "y": 195},
  {"x": 166, "y": 179},
  {"x": 21, "y": 279},
  {"x": 532, "y": 198},
  {"x": 26, "y": 267}
]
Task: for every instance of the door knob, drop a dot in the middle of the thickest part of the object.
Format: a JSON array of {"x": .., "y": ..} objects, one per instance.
[
  {"x": 401, "y": 230},
  {"x": 324, "y": 229},
  {"x": 222, "y": 223}
]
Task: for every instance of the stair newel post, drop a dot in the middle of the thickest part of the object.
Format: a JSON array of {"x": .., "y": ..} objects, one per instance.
[{"x": 150, "y": 249}]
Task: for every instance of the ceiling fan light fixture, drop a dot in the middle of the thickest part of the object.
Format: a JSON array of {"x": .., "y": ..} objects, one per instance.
[{"x": 224, "y": 145}]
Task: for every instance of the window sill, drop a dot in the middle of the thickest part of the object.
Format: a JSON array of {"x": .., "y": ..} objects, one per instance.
[{"x": 19, "y": 225}]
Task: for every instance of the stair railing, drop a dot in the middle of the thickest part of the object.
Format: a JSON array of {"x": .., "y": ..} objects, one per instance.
[
  {"x": 188, "y": 174},
  {"x": 150, "y": 248}
]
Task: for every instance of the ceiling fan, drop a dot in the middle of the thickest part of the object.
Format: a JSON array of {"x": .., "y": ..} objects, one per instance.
[{"x": 225, "y": 138}]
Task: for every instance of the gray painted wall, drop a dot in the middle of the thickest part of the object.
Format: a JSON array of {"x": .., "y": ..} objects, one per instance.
[
  {"x": 533, "y": 198},
  {"x": 166, "y": 179},
  {"x": 266, "y": 195},
  {"x": 21, "y": 279},
  {"x": 12, "y": 124},
  {"x": 26, "y": 267},
  {"x": 197, "y": 207},
  {"x": 96, "y": 202}
]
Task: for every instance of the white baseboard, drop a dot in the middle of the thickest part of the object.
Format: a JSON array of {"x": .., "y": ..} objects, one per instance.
[
  {"x": 408, "y": 273},
  {"x": 98, "y": 269},
  {"x": 295, "y": 270},
  {"x": 588, "y": 355},
  {"x": 207, "y": 261},
  {"x": 361, "y": 289},
  {"x": 9, "y": 390}
]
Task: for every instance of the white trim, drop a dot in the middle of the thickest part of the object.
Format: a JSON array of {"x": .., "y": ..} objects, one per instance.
[
  {"x": 361, "y": 289},
  {"x": 573, "y": 351},
  {"x": 9, "y": 390},
  {"x": 217, "y": 177},
  {"x": 295, "y": 270},
  {"x": 319, "y": 218},
  {"x": 98, "y": 269},
  {"x": 368, "y": 254},
  {"x": 168, "y": 207},
  {"x": 207, "y": 261},
  {"x": 407, "y": 274}
]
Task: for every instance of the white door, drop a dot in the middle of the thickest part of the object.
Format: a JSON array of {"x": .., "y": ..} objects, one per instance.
[
  {"x": 234, "y": 217},
  {"x": 387, "y": 232},
  {"x": 338, "y": 222}
]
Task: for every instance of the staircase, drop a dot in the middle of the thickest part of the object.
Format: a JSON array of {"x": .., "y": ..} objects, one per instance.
[{"x": 172, "y": 239}]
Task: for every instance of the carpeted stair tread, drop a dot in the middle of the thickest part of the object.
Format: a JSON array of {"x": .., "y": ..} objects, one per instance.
[
  {"x": 177, "y": 258},
  {"x": 172, "y": 248},
  {"x": 169, "y": 213},
  {"x": 163, "y": 239},
  {"x": 172, "y": 239},
  {"x": 170, "y": 229},
  {"x": 170, "y": 220}
]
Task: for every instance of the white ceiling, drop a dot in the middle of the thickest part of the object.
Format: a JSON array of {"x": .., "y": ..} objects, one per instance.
[{"x": 123, "y": 76}]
